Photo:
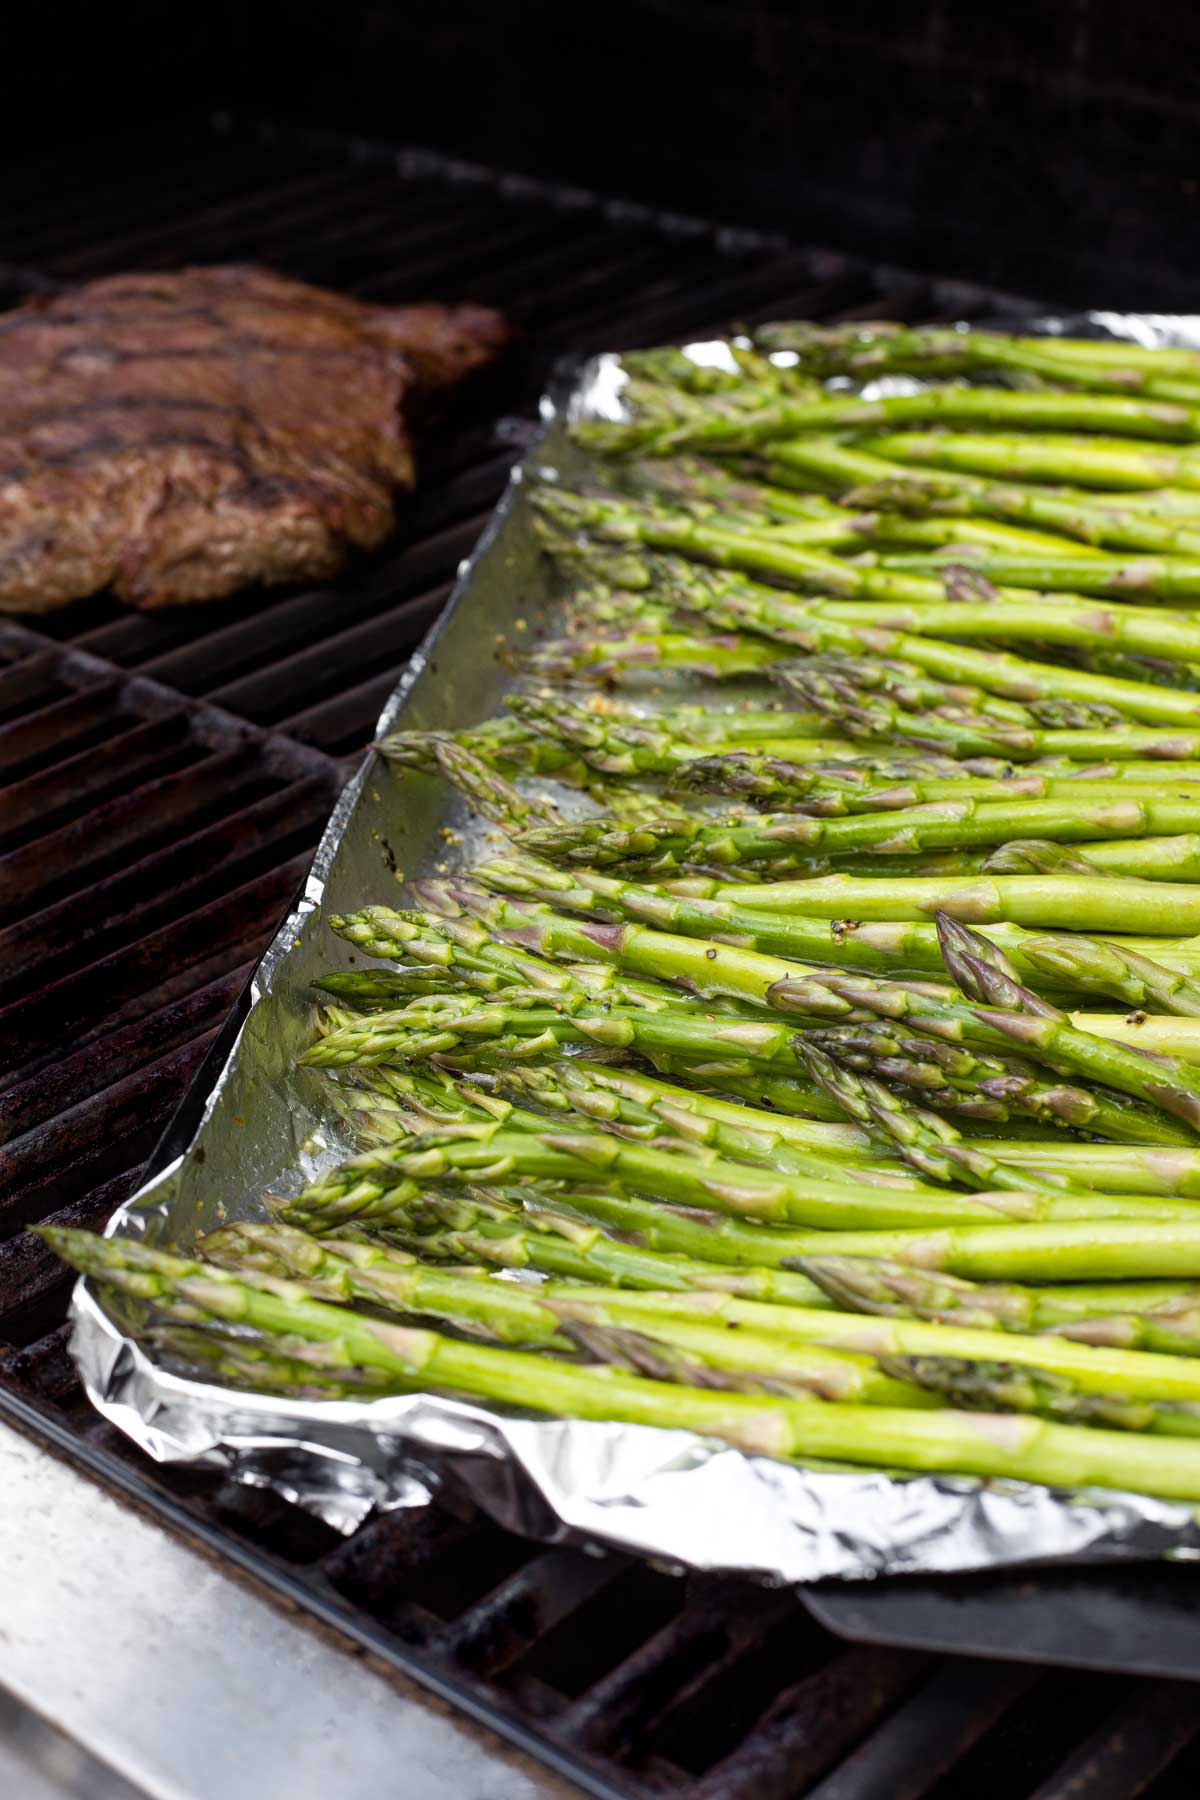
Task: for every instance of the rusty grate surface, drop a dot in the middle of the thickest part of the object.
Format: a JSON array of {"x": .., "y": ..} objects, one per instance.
[{"x": 164, "y": 781}]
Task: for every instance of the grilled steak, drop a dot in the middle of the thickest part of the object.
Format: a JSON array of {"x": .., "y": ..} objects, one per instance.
[{"x": 177, "y": 436}]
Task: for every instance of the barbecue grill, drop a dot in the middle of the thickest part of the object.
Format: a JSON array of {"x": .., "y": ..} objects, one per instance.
[{"x": 167, "y": 778}]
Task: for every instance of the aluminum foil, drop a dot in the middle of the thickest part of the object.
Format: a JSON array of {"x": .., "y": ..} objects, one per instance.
[{"x": 686, "y": 1501}]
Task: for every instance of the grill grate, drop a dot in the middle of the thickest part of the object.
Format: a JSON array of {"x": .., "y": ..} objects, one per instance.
[{"x": 168, "y": 776}]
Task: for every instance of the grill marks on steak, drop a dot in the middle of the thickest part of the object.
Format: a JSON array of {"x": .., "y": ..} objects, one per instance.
[{"x": 178, "y": 436}]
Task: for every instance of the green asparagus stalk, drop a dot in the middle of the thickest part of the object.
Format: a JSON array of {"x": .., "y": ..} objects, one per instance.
[
  {"x": 1046, "y": 1036},
  {"x": 739, "y": 1134},
  {"x": 508, "y": 1313},
  {"x": 833, "y": 674},
  {"x": 551, "y": 1242},
  {"x": 1100, "y": 463},
  {"x": 455, "y": 945},
  {"x": 712, "y": 1048},
  {"x": 706, "y": 488},
  {"x": 776, "y": 554},
  {"x": 1173, "y": 859},
  {"x": 1172, "y": 1327},
  {"x": 725, "y": 656},
  {"x": 1119, "y": 578},
  {"x": 1126, "y": 521},
  {"x": 674, "y": 368},
  {"x": 1121, "y": 968},
  {"x": 831, "y": 790},
  {"x": 388, "y": 987},
  {"x": 1075, "y": 1250},
  {"x": 994, "y": 1090},
  {"x": 1070, "y": 960},
  {"x": 639, "y": 745},
  {"x": 395, "y": 1102},
  {"x": 379, "y": 1183},
  {"x": 1028, "y": 1448},
  {"x": 1163, "y": 1080},
  {"x": 996, "y": 1387},
  {"x": 1148, "y": 522},
  {"x": 926, "y": 1142},
  {"x": 1097, "y": 1370},
  {"x": 1118, "y": 1168},
  {"x": 288, "y": 1365},
  {"x": 865, "y": 351},
  {"x": 1085, "y": 902},
  {"x": 899, "y": 1291},
  {"x": 1047, "y": 620},
  {"x": 501, "y": 745},
  {"x": 944, "y": 824},
  {"x": 347, "y": 1273},
  {"x": 484, "y": 789},
  {"x": 710, "y": 426},
  {"x": 735, "y": 603}
]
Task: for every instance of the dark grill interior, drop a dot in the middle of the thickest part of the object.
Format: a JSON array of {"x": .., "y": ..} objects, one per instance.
[{"x": 167, "y": 780}]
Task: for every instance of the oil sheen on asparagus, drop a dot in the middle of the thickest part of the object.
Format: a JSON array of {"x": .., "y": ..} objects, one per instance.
[{"x": 819, "y": 1032}]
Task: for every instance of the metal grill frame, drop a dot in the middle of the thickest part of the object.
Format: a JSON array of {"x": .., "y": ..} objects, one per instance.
[{"x": 873, "y": 1689}]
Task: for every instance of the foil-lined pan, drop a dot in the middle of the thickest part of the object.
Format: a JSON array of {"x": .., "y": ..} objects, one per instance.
[{"x": 686, "y": 1501}]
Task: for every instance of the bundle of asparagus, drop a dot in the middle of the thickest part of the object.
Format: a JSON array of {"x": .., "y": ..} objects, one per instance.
[{"x": 826, "y": 1057}]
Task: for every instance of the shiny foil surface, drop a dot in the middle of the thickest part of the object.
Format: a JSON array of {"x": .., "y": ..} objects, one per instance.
[{"x": 686, "y": 1501}]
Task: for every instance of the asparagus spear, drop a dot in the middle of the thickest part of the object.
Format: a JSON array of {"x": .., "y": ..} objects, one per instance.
[
  {"x": 504, "y": 1312},
  {"x": 1142, "y": 522},
  {"x": 712, "y": 1049},
  {"x": 277, "y": 1365},
  {"x": 834, "y": 673},
  {"x": 388, "y": 987},
  {"x": 1139, "y": 1375},
  {"x": 1083, "y": 901},
  {"x": 1108, "y": 464},
  {"x": 1068, "y": 959},
  {"x": 1118, "y": 1168},
  {"x": 929, "y": 1144},
  {"x": 831, "y": 791},
  {"x": 456, "y": 945},
  {"x": 1119, "y": 967},
  {"x": 1147, "y": 578},
  {"x": 1028, "y": 1448},
  {"x": 346, "y": 1273},
  {"x": 1046, "y": 1036},
  {"x": 1174, "y": 859},
  {"x": 1074, "y": 1250},
  {"x": 1162, "y": 1080},
  {"x": 556, "y": 1243},
  {"x": 997, "y": 1387},
  {"x": 740, "y": 1134},
  {"x": 775, "y": 554},
  {"x": 674, "y": 368},
  {"x": 734, "y": 602},
  {"x": 775, "y": 838},
  {"x": 259, "y": 1298},
  {"x": 486, "y": 791},
  {"x": 1045, "y": 620},
  {"x": 636, "y": 745},
  {"x": 952, "y": 1078},
  {"x": 1125, "y": 521},
  {"x": 899, "y": 1291},
  {"x": 873, "y": 349},
  {"x": 380, "y": 1183},
  {"x": 500, "y": 744},
  {"x": 725, "y": 656},
  {"x": 1172, "y": 1327},
  {"x": 710, "y": 426},
  {"x": 707, "y": 488}
]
